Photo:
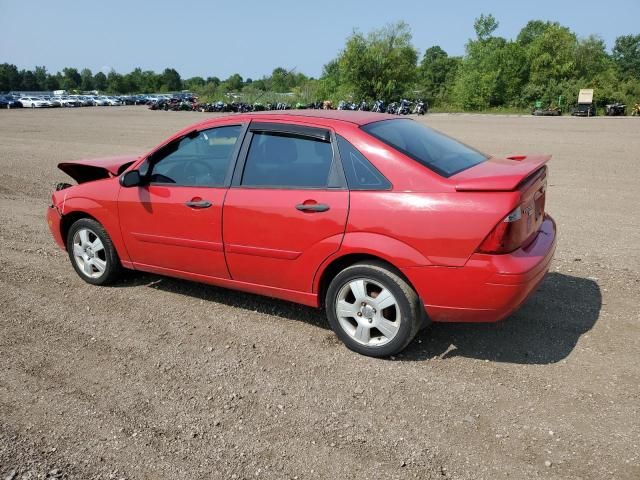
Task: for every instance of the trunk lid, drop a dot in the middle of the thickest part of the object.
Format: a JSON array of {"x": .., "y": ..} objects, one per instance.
[
  {"x": 525, "y": 175},
  {"x": 499, "y": 174},
  {"x": 83, "y": 171}
]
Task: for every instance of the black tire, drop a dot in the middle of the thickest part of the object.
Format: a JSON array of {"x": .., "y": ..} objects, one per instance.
[
  {"x": 412, "y": 314},
  {"x": 109, "y": 255}
]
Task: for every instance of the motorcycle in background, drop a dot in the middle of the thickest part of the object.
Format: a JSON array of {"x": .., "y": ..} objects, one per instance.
[
  {"x": 379, "y": 107},
  {"x": 403, "y": 107},
  {"x": 420, "y": 108},
  {"x": 615, "y": 109}
]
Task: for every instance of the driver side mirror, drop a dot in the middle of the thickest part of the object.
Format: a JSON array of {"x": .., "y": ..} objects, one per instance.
[{"x": 132, "y": 178}]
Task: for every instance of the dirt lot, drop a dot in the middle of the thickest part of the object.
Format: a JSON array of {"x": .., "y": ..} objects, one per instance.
[{"x": 159, "y": 378}]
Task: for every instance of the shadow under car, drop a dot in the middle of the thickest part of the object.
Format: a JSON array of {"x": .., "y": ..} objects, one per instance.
[{"x": 544, "y": 330}]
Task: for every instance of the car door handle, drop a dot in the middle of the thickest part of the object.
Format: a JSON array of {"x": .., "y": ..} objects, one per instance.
[
  {"x": 198, "y": 203},
  {"x": 312, "y": 207}
]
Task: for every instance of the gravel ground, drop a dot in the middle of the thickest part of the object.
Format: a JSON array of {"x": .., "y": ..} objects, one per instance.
[{"x": 160, "y": 378}]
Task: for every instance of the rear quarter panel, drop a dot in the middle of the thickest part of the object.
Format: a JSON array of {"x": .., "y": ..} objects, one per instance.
[
  {"x": 445, "y": 228},
  {"x": 423, "y": 211}
]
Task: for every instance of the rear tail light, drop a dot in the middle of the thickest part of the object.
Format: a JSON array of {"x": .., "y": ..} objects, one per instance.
[{"x": 506, "y": 235}]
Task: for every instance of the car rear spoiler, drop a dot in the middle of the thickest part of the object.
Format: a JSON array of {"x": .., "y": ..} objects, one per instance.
[{"x": 499, "y": 174}]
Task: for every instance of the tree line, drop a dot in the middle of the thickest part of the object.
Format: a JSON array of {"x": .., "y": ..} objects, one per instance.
[{"x": 546, "y": 62}]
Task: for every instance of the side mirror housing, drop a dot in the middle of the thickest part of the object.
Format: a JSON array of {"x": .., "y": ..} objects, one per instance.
[{"x": 131, "y": 178}]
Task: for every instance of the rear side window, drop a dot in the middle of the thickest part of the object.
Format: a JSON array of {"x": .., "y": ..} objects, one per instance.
[
  {"x": 283, "y": 160},
  {"x": 434, "y": 150},
  {"x": 360, "y": 173}
]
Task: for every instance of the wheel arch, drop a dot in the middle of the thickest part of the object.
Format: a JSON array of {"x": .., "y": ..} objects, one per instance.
[
  {"x": 329, "y": 271},
  {"x": 105, "y": 218},
  {"x": 69, "y": 219}
]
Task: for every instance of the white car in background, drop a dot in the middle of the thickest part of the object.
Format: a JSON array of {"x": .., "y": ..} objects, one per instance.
[
  {"x": 34, "y": 102},
  {"x": 113, "y": 101},
  {"x": 53, "y": 101},
  {"x": 84, "y": 100},
  {"x": 68, "y": 101},
  {"x": 100, "y": 101}
]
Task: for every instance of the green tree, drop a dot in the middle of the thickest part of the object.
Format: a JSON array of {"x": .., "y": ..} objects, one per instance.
[
  {"x": 41, "y": 75},
  {"x": 100, "y": 81},
  {"x": 71, "y": 79},
  {"x": 213, "y": 80},
  {"x": 330, "y": 80},
  {"x": 436, "y": 74},
  {"x": 379, "y": 65},
  {"x": 53, "y": 82},
  {"x": 280, "y": 80},
  {"x": 171, "y": 80},
  {"x": 86, "y": 79},
  {"x": 591, "y": 57},
  {"x": 485, "y": 26},
  {"x": 531, "y": 31},
  {"x": 115, "y": 83},
  {"x": 193, "y": 83},
  {"x": 626, "y": 54},
  {"x": 234, "y": 83},
  {"x": 552, "y": 55},
  {"x": 10, "y": 78},
  {"x": 29, "y": 81},
  {"x": 493, "y": 70}
]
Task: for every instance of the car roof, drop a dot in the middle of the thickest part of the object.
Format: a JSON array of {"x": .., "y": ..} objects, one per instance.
[{"x": 356, "y": 117}]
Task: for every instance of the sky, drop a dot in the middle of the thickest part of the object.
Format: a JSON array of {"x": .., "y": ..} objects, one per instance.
[{"x": 252, "y": 37}]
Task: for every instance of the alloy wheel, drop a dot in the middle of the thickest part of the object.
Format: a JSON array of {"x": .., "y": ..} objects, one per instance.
[
  {"x": 89, "y": 253},
  {"x": 368, "y": 312}
]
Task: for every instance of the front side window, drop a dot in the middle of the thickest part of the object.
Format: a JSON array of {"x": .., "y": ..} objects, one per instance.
[
  {"x": 283, "y": 160},
  {"x": 201, "y": 159},
  {"x": 434, "y": 150}
]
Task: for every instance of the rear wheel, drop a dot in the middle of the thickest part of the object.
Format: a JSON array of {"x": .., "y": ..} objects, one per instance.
[
  {"x": 92, "y": 253},
  {"x": 373, "y": 310}
]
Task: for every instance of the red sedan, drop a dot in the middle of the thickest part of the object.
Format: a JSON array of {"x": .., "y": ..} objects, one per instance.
[{"x": 385, "y": 223}]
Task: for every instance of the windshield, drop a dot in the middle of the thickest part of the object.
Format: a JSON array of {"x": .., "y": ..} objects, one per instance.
[{"x": 434, "y": 150}]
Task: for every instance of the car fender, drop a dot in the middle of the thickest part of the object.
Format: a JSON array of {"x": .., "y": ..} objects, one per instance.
[
  {"x": 105, "y": 213},
  {"x": 389, "y": 249}
]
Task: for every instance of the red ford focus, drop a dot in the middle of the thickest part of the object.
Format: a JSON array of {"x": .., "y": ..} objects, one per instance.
[{"x": 385, "y": 223}]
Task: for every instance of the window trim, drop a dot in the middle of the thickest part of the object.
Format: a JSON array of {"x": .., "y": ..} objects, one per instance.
[
  {"x": 386, "y": 188},
  {"x": 336, "y": 179},
  {"x": 232, "y": 161}
]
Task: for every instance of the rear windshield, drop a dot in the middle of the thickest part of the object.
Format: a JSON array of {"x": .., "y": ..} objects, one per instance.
[{"x": 434, "y": 150}]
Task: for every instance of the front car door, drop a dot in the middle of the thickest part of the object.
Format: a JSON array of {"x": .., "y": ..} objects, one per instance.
[
  {"x": 287, "y": 207},
  {"x": 173, "y": 223}
]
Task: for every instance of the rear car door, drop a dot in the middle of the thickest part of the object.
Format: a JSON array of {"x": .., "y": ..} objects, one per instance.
[
  {"x": 174, "y": 221},
  {"x": 287, "y": 207}
]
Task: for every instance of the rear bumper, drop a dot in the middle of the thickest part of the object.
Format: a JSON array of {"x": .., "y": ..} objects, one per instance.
[
  {"x": 489, "y": 287},
  {"x": 53, "y": 220}
]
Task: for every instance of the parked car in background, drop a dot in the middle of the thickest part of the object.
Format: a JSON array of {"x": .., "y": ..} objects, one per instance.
[
  {"x": 100, "y": 101},
  {"x": 84, "y": 100},
  {"x": 69, "y": 101},
  {"x": 113, "y": 101},
  {"x": 385, "y": 223},
  {"x": 34, "y": 102},
  {"x": 584, "y": 110},
  {"x": 54, "y": 101},
  {"x": 8, "y": 101}
]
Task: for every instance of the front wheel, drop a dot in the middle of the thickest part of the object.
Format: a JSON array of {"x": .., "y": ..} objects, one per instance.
[
  {"x": 373, "y": 310},
  {"x": 92, "y": 253}
]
